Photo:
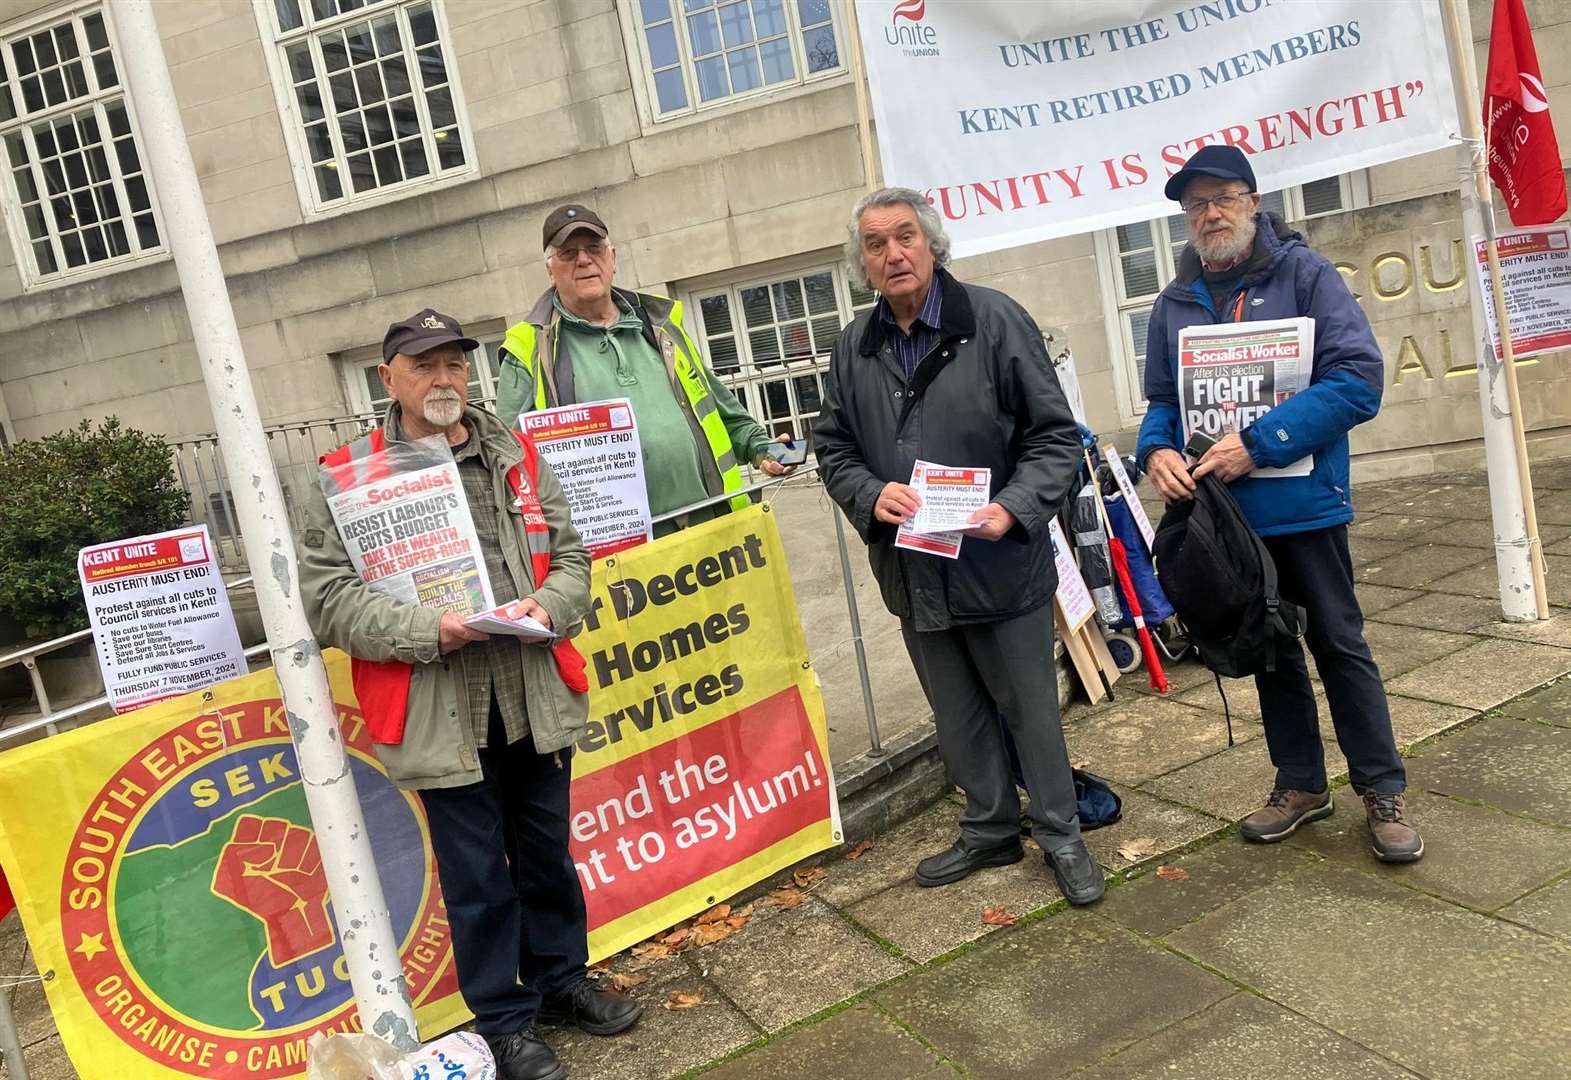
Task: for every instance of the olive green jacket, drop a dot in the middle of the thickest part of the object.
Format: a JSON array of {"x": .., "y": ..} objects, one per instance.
[{"x": 438, "y": 749}]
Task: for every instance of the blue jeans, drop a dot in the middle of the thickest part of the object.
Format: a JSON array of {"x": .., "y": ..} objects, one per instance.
[
  {"x": 513, "y": 899},
  {"x": 1315, "y": 570}
]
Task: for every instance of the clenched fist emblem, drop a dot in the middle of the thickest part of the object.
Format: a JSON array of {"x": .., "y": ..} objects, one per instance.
[{"x": 271, "y": 868}]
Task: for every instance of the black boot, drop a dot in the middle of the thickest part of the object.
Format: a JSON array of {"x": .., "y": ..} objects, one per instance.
[
  {"x": 593, "y": 1010},
  {"x": 524, "y": 1055}
]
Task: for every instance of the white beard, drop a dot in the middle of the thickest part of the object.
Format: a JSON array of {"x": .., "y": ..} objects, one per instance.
[
  {"x": 1227, "y": 248},
  {"x": 443, "y": 410}
]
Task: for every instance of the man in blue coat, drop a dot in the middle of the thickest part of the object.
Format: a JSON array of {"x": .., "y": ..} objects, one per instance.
[{"x": 1242, "y": 264}]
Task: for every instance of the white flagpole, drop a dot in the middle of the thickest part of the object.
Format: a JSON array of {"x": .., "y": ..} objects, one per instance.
[{"x": 1518, "y": 552}]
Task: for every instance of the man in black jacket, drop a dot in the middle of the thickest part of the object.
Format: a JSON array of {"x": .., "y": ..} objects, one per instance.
[{"x": 958, "y": 375}]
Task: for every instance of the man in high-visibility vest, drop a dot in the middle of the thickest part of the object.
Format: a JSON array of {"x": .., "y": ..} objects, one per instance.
[
  {"x": 587, "y": 340},
  {"x": 481, "y": 727}
]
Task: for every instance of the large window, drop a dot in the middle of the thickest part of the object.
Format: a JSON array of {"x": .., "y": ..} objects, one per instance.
[
  {"x": 1143, "y": 258},
  {"x": 367, "y": 395},
  {"x": 769, "y": 339},
  {"x": 699, "y": 53},
  {"x": 77, "y": 196},
  {"x": 371, "y": 97}
]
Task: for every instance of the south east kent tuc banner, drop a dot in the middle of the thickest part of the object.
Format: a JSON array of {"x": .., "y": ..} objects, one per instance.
[
  {"x": 173, "y": 893},
  {"x": 1027, "y": 121}
]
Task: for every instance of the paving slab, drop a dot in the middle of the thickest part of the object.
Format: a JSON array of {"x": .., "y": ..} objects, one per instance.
[
  {"x": 1548, "y": 909},
  {"x": 1180, "y": 675},
  {"x": 1555, "y": 630},
  {"x": 13, "y": 945},
  {"x": 1514, "y": 765},
  {"x": 1482, "y": 676},
  {"x": 785, "y": 966},
  {"x": 1383, "y": 526},
  {"x": 1373, "y": 598},
  {"x": 1412, "y": 497},
  {"x": 1555, "y": 473},
  {"x": 893, "y": 856},
  {"x": 1554, "y": 508},
  {"x": 861, "y": 1042},
  {"x": 1138, "y": 737},
  {"x": 1445, "y": 498},
  {"x": 1147, "y": 817},
  {"x": 1242, "y": 701},
  {"x": 1045, "y": 999},
  {"x": 1414, "y": 719},
  {"x": 665, "y": 1042},
  {"x": 1218, "y": 875},
  {"x": 1483, "y": 580},
  {"x": 1449, "y": 611},
  {"x": 1400, "y": 649},
  {"x": 47, "y": 1060},
  {"x": 1245, "y": 1038},
  {"x": 1415, "y": 567},
  {"x": 1550, "y": 705},
  {"x": 1367, "y": 549},
  {"x": 1234, "y": 783},
  {"x": 30, "y": 1008},
  {"x": 1449, "y": 993},
  {"x": 1473, "y": 855}
]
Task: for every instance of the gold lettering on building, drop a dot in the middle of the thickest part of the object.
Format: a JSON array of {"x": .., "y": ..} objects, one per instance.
[
  {"x": 1427, "y": 263},
  {"x": 1405, "y": 285}
]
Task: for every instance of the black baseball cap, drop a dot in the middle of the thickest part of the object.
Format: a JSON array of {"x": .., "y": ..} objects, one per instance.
[
  {"x": 423, "y": 331},
  {"x": 1223, "y": 162},
  {"x": 564, "y": 221}
]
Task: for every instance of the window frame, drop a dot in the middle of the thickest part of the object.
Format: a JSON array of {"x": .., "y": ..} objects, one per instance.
[
  {"x": 748, "y": 373},
  {"x": 1116, "y": 306},
  {"x": 11, "y": 200},
  {"x": 636, "y": 46},
  {"x": 353, "y": 362},
  {"x": 274, "y": 42}
]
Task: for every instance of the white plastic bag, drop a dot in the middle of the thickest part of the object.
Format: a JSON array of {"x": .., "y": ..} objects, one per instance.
[{"x": 459, "y": 1056}]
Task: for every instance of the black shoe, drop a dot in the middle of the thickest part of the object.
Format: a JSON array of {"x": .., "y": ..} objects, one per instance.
[
  {"x": 523, "y": 1055},
  {"x": 1079, "y": 877},
  {"x": 961, "y": 862},
  {"x": 593, "y": 1010}
]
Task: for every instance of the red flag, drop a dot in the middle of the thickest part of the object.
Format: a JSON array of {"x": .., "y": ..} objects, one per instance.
[
  {"x": 6, "y": 902},
  {"x": 1524, "y": 159}
]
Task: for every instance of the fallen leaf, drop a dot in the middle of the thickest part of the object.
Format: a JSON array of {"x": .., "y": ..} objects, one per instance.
[
  {"x": 709, "y": 933},
  {"x": 743, "y": 912},
  {"x": 649, "y": 952},
  {"x": 806, "y": 879},
  {"x": 682, "y": 999},
  {"x": 714, "y": 914},
  {"x": 1140, "y": 848},
  {"x": 676, "y": 937},
  {"x": 1172, "y": 873},
  {"x": 788, "y": 897},
  {"x": 736, "y": 922},
  {"x": 998, "y": 915},
  {"x": 623, "y": 982},
  {"x": 603, "y": 965},
  {"x": 861, "y": 849}
]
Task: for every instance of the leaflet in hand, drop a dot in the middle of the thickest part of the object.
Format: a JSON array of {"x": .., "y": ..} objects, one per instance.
[
  {"x": 403, "y": 518},
  {"x": 594, "y": 450},
  {"x": 509, "y": 619},
  {"x": 1232, "y": 374},
  {"x": 950, "y": 497}
]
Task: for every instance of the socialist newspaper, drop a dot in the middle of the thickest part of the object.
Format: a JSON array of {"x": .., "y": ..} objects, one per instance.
[{"x": 1232, "y": 374}]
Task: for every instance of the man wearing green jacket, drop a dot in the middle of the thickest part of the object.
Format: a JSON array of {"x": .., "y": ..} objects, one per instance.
[
  {"x": 587, "y": 340},
  {"x": 481, "y": 727}
]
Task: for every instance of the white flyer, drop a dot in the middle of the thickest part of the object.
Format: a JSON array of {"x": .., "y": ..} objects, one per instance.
[
  {"x": 509, "y": 619},
  {"x": 1131, "y": 499},
  {"x": 595, "y": 453},
  {"x": 946, "y": 544},
  {"x": 949, "y": 496},
  {"x": 1074, "y": 599},
  {"x": 1232, "y": 374},
  {"x": 160, "y": 614},
  {"x": 1535, "y": 272},
  {"x": 405, "y": 522}
]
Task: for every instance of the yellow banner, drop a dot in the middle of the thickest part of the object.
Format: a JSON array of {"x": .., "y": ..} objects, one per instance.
[
  {"x": 705, "y": 767},
  {"x": 133, "y": 846}
]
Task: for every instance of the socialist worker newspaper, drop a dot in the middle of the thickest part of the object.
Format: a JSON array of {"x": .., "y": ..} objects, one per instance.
[
  {"x": 406, "y": 525},
  {"x": 1232, "y": 374}
]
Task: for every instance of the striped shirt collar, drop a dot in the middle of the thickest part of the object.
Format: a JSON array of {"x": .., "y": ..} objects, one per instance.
[{"x": 911, "y": 347}]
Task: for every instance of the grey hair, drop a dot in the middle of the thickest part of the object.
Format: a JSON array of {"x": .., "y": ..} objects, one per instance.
[{"x": 926, "y": 216}]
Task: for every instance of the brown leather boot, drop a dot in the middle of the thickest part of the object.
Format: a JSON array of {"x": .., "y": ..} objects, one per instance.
[
  {"x": 1394, "y": 839},
  {"x": 1285, "y": 810}
]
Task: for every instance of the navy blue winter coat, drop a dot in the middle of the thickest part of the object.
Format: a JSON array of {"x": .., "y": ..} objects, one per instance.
[{"x": 1344, "y": 388}]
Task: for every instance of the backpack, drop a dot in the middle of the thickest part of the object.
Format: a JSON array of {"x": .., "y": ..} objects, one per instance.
[{"x": 1222, "y": 583}]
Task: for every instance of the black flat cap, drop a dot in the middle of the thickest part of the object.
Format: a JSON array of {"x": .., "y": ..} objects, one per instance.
[
  {"x": 422, "y": 332},
  {"x": 1222, "y": 162},
  {"x": 564, "y": 221}
]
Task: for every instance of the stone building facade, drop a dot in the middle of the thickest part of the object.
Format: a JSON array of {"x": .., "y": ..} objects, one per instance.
[{"x": 362, "y": 159}]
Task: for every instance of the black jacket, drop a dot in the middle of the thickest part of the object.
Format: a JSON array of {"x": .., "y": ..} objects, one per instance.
[{"x": 986, "y": 395}]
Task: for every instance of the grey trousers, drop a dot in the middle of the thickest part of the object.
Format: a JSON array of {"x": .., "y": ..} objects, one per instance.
[{"x": 977, "y": 679}]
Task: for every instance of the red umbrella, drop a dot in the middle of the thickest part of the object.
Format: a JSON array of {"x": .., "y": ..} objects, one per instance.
[{"x": 1147, "y": 646}]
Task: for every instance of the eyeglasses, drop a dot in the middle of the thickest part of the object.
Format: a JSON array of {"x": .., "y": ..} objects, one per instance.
[
  {"x": 596, "y": 251},
  {"x": 1226, "y": 202}
]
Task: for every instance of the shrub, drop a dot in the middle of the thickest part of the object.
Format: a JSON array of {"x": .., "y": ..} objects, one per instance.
[{"x": 72, "y": 489}]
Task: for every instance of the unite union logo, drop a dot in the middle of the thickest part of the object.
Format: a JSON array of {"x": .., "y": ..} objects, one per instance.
[{"x": 908, "y": 33}]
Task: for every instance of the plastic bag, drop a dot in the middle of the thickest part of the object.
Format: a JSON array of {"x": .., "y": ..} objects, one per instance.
[{"x": 459, "y": 1056}]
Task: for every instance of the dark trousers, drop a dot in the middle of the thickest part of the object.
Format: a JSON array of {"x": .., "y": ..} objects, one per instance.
[
  {"x": 1315, "y": 570},
  {"x": 513, "y": 898},
  {"x": 982, "y": 680}
]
